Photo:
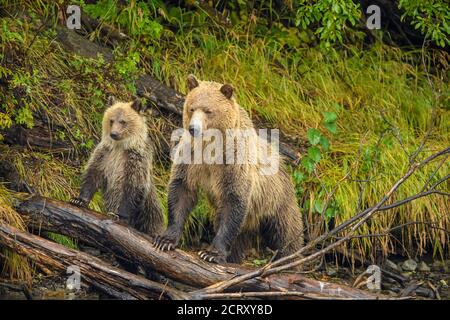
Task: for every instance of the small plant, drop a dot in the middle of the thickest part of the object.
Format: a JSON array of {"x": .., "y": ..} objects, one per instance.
[
  {"x": 319, "y": 146},
  {"x": 25, "y": 117},
  {"x": 259, "y": 262},
  {"x": 127, "y": 67},
  {"x": 7, "y": 35},
  {"x": 319, "y": 142}
]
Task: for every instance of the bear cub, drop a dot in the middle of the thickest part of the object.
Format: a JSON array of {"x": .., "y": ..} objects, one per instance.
[{"x": 121, "y": 166}]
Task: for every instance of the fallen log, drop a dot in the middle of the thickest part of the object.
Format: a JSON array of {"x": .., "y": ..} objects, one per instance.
[
  {"x": 113, "y": 281},
  {"x": 101, "y": 232}
]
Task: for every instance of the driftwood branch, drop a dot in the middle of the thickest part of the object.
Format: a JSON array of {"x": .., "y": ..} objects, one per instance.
[
  {"x": 101, "y": 232},
  {"x": 113, "y": 281}
]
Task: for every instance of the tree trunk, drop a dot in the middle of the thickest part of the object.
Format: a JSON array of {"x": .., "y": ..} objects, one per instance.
[
  {"x": 113, "y": 281},
  {"x": 102, "y": 232}
]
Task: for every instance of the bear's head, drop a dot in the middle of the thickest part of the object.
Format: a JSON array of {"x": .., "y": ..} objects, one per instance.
[
  {"x": 124, "y": 121},
  {"x": 209, "y": 105}
]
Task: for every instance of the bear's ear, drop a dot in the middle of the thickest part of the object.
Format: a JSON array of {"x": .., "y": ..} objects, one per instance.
[
  {"x": 111, "y": 101},
  {"x": 192, "y": 82},
  {"x": 227, "y": 90},
  {"x": 137, "y": 105}
]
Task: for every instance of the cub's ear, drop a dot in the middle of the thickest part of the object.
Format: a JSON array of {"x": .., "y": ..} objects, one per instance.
[
  {"x": 227, "y": 90},
  {"x": 137, "y": 105},
  {"x": 192, "y": 82},
  {"x": 111, "y": 100}
]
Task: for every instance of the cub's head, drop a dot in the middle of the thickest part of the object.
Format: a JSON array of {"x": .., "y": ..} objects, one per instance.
[
  {"x": 123, "y": 121},
  {"x": 209, "y": 105}
]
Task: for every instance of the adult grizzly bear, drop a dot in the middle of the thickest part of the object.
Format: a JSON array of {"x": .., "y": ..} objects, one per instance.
[
  {"x": 121, "y": 166},
  {"x": 247, "y": 200}
]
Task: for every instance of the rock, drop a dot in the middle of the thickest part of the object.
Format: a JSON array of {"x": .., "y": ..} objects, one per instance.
[
  {"x": 409, "y": 265},
  {"x": 423, "y": 267},
  {"x": 392, "y": 266},
  {"x": 437, "y": 265},
  {"x": 440, "y": 266}
]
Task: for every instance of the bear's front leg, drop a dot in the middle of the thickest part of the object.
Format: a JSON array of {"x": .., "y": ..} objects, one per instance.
[
  {"x": 232, "y": 213},
  {"x": 181, "y": 202}
]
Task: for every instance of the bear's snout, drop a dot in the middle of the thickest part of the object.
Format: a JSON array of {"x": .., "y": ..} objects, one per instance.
[
  {"x": 194, "y": 131},
  {"x": 195, "y": 126},
  {"x": 114, "y": 135}
]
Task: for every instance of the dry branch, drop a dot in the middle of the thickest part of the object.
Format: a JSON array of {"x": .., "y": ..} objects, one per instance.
[
  {"x": 113, "y": 281},
  {"x": 100, "y": 231}
]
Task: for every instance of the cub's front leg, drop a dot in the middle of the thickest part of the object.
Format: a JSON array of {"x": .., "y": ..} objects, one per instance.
[
  {"x": 182, "y": 200},
  {"x": 91, "y": 179}
]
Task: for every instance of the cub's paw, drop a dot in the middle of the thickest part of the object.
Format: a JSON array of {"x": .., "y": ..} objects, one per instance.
[
  {"x": 78, "y": 202},
  {"x": 164, "y": 243},
  {"x": 212, "y": 256}
]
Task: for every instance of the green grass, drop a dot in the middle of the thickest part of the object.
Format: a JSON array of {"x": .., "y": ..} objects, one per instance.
[
  {"x": 13, "y": 266},
  {"x": 372, "y": 90}
]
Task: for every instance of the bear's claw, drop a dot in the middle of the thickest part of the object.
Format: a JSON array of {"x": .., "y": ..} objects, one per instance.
[
  {"x": 164, "y": 244},
  {"x": 211, "y": 256},
  {"x": 78, "y": 202}
]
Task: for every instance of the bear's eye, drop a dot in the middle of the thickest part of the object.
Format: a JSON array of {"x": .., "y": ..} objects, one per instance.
[
  {"x": 111, "y": 122},
  {"x": 123, "y": 122},
  {"x": 191, "y": 109},
  {"x": 208, "y": 111}
]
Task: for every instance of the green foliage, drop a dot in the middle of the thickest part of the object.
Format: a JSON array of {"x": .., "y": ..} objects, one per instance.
[
  {"x": 319, "y": 142},
  {"x": 127, "y": 67},
  {"x": 330, "y": 19},
  {"x": 282, "y": 78},
  {"x": 7, "y": 35},
  {"x": 320, "y": 145},
  {"x": 138, "y": 18},
  {"x": 25, "y": 117},
  {"x": 259, "y": 262},
  {"x": 431, "y": 17}
]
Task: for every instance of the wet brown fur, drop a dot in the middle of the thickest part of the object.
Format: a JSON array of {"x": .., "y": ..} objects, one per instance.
[
  {"x": 122, "y": 169},
  {"x": 246, "y": 201}
]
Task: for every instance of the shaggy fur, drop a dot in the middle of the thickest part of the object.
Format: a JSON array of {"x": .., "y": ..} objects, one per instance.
[
  {"x": 246, "y": 201},
  {"x": 121, "y": 166}
]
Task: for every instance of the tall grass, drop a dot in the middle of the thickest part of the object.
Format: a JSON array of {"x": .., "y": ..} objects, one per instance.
[
  {"x": 13, "y": 266},
  {"x": 382, "y": 97},
  {"x": 384, "y": 105}
]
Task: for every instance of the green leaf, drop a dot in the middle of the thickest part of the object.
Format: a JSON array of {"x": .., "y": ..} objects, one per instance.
[
  {"x": 329, "y": 117},
  {"x": 298, "y": 177},
  {"x": 324, "y": 143},
  {"x": 330, "y": 213},
  {"x": 318, "y": 206},
  {"x": 314, "y": 154},
  {"x": 259, "y": 262},
  {"x": 313, "y": 136},
  {"x": 308, "y": 164},
  {"x": 331, "y": 127}
]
